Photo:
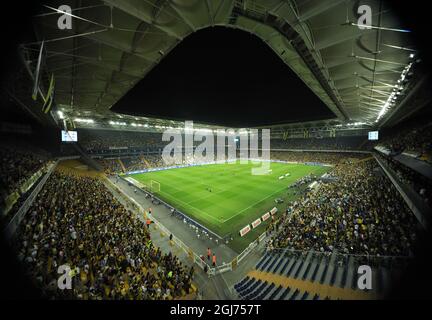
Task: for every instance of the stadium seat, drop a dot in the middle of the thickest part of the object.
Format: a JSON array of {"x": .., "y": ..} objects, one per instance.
[
  {"x": 304, "y": 296},
  {"x": 250, "y": 287},
  {"x": 291, "y": 265},
  {"x": 261, "y": 262},
  {"x": 275, "y": 293},
  {"x": 241, "y": 283},
  {"x": 265, "y": 292},
  {"x": 267, "y": 262},
  {"x": 301, "y": 274},
  {"x": 285, "y": 265},
  {"x": 258, "y": 290},
  {"x": 284, "y": 294},
  {"x": 245, "y": 284},
  {"x": 313, "y": 270}
]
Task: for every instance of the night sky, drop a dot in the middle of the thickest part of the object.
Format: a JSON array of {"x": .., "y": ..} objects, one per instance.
[{"x": 226, "y": 77}]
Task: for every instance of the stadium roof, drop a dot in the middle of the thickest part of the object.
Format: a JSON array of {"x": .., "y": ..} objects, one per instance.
[{"x": 356, "y": 72}]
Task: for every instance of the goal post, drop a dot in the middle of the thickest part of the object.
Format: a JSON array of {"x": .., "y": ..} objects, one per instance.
[{"x": 154, "y": 186}]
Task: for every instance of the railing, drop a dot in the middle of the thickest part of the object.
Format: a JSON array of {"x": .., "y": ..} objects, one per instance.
[{"x": 230, "y": 266}]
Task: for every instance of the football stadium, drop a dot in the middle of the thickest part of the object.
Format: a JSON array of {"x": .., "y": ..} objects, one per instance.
[{"x": 216, "y": 150}]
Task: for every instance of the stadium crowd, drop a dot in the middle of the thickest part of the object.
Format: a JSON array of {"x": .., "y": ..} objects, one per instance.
[
  {"x": 110, "y": 166},
  {"x": 419, "y": 183},
  {"x": 94, "y": 141},
  {"x": 412, "y": 139},
  {"x": 76, "y": 221},
  {"x": 16, "y": 167},
  {"x": 130, "y": 163},
  {"x": 336, "y": 143},
  {"x": 315, "y": 157},
  {"x": 360, "y": 213},
  {"x": 102, "y": 140},
  {"x": 142, "y": 162},
  {"x": 146, "y": 161}
]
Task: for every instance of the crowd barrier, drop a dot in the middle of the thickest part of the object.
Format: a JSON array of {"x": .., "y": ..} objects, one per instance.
[{"x": 230, "y": 266}]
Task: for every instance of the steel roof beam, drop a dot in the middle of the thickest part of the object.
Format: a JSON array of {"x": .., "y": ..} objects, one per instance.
[
  {"x": 338, "y": 38},
  {"x": 135, "y": 12},
  {"x": 319, "y": 9}
]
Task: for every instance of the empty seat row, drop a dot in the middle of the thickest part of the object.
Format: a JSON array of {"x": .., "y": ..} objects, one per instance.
[
  {"x": 249, "y": 288},
  {"x": 323, "y": 269}
]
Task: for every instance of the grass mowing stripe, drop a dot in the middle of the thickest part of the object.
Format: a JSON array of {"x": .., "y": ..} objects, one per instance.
[
  {"x": 188, "y": 205},
  {"x": 255, "y": 204}
]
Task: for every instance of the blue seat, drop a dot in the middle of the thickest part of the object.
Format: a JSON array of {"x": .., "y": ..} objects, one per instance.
[
  {"x": 282, "y": 297},
  {"x": 242, "y": 282},
  {"x": 265, "y": 292},
  {"x": 275, "y": 293}
]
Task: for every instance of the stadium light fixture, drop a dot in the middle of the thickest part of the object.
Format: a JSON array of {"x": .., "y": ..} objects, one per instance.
[
  {"x": 117, "y": 123},
  {"x": 84, "y": 120},
  {"x": 391, "y": 101},
  {"x": 355, "y": 124}
]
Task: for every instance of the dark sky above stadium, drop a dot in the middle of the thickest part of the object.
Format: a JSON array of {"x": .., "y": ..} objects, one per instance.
[{"x": 226, "y": 77}]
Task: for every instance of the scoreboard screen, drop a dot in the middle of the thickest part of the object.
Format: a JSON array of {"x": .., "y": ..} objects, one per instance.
[
  {"x": 69, "y": 136},
  {"x": 373, "y": 135}
]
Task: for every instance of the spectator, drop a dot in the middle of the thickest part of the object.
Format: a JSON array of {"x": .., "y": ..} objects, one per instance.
[
  {"x": 359, "y": 213},
  {"x": 76, "y": 221}
]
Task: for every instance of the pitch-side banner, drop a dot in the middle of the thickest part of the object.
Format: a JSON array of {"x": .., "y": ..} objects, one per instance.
[
  {"x": 245, "y": 230},
  {"x": 256, "y": 223},
  {"x": 265, "y": 216}
]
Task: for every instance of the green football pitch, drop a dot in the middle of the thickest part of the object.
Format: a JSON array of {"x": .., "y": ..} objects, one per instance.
[{"x": 225, "y": 197}]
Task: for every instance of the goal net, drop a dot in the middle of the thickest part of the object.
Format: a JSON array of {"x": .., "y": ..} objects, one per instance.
[{"x": 154, "y": 186}]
